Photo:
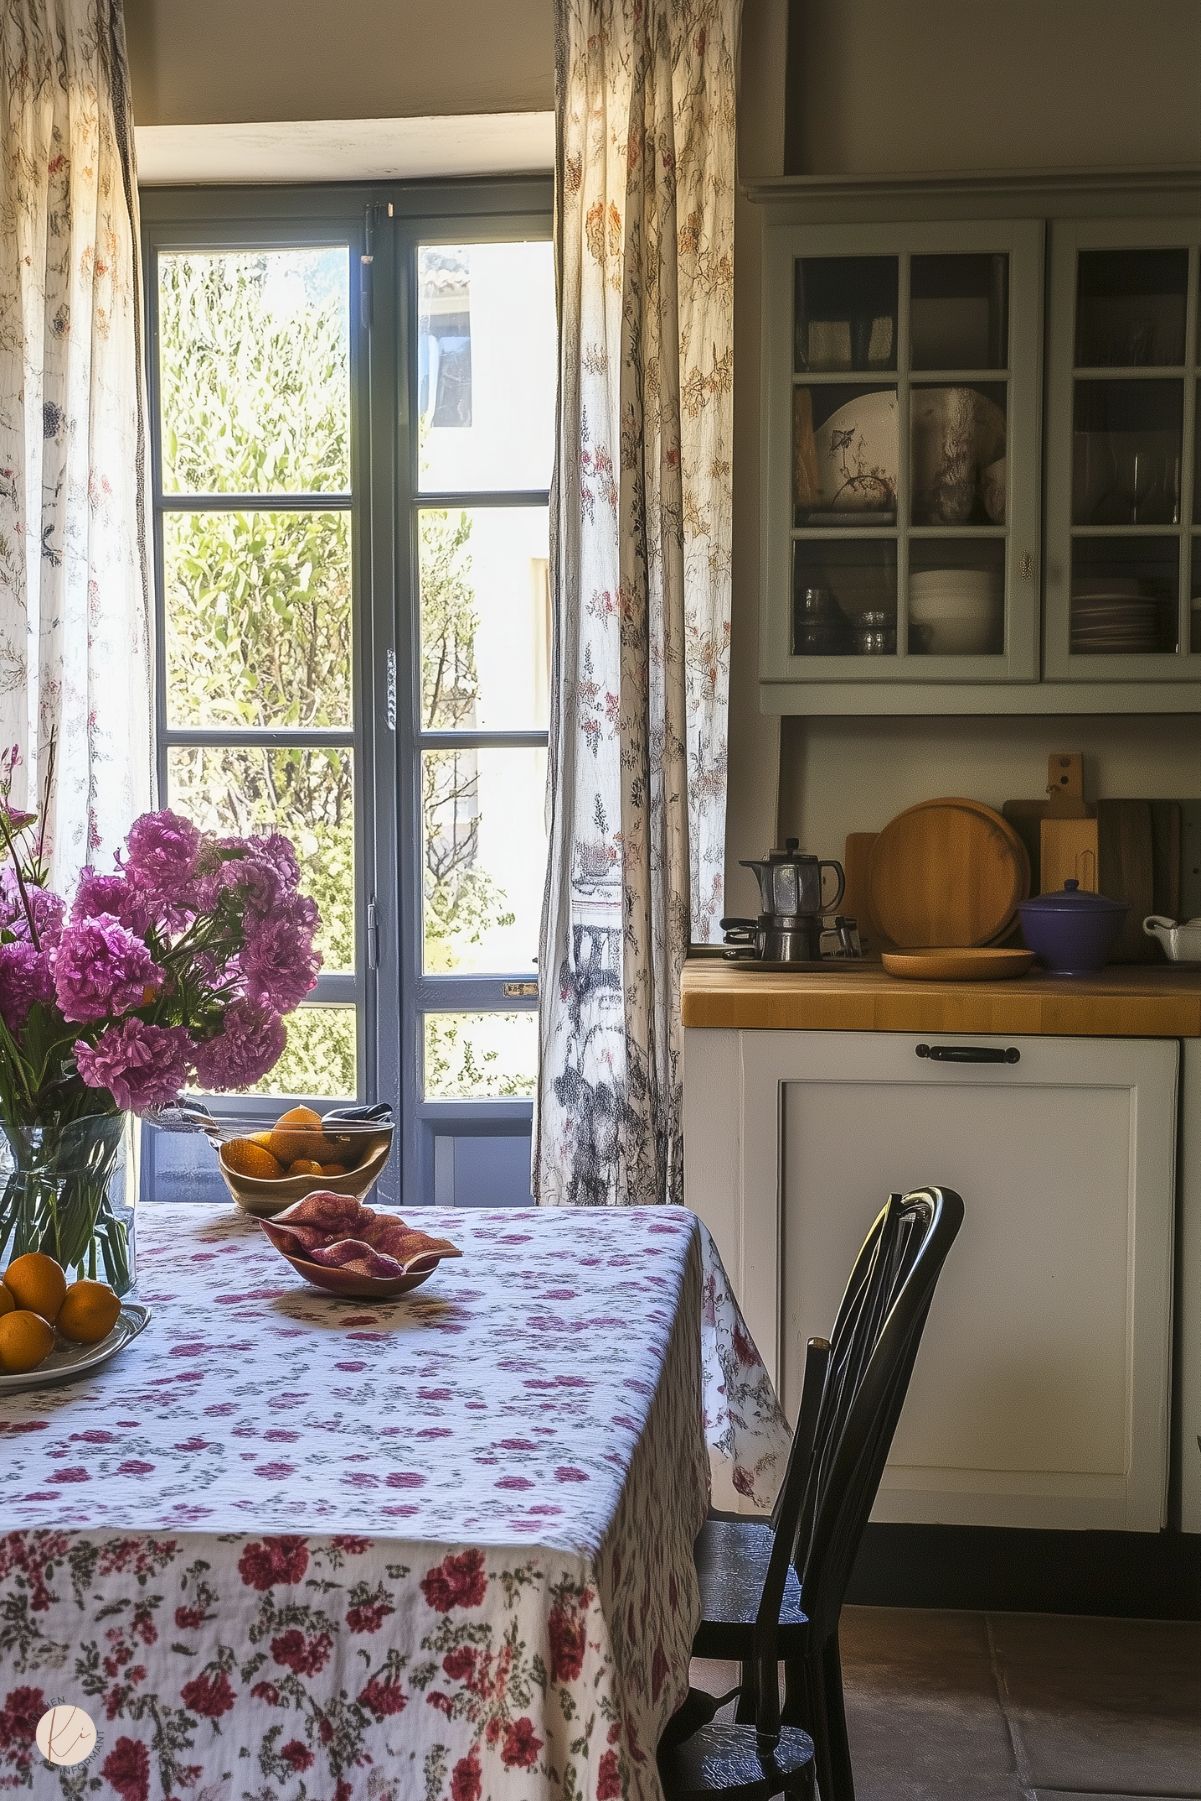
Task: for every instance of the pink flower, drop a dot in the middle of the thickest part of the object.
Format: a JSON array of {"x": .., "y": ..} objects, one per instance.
[
  {"x": 25, "y": 979},
  {"x": 250, "y": 1042},
  {"x": 160, "y": 854},
  {"x": 521, "y": 1744},
  {"x": 209, "y": 1695},
  {"x": 458, "y": 1581},
  {"x": 102, "y": 970},
  {"x": 46, "y": 907},
  {"x": 141, "y": 1065},
  {"x": 112, "y": 894},
  {"x": 263, "y": 870},
  {"x": 262, "y": 1565},
  {"x": 567, "y": 1642},
  {"x": 465, "y": 1778},
  {"x": 127, "y": 1769},
  {"x": 279, "y": 963}
]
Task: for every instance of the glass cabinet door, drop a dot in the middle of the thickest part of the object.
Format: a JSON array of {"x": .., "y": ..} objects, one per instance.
[
  {"x": 901, "y": 531},
  {"x": 1123, "y": 515}
]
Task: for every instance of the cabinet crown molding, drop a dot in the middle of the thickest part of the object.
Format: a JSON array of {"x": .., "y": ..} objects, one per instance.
[{"x": 1046, "y": 185}]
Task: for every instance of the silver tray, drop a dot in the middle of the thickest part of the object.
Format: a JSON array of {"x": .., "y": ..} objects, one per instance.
[{"x": 67, "y": 1362}]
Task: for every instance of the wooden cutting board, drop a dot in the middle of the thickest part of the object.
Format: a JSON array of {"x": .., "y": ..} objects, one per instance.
[
  {"x": 856, "y": 899},
  {"x": 947, "y": 873},
  {"x": 1126, "y": 868}
]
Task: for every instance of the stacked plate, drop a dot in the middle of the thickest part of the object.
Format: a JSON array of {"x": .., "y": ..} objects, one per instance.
[
  {"x": 956, "y": 612},
  {"x": 1115, "y": 617}
]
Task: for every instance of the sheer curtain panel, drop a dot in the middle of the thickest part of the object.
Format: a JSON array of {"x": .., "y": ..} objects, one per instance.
[
  {"x": 641, "y": 574},
  {"x": 74, "y": 647}
]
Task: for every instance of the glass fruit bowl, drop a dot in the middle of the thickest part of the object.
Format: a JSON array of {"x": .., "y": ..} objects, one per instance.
[{"x": 270, "y": 1160}]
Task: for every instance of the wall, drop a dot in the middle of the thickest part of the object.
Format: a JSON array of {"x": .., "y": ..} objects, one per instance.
[
  {"x": 221, "y": 61},
  {"x": 878, "y": 88}
]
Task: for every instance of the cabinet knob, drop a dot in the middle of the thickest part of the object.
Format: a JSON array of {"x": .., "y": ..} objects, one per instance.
[{"x": 1026, "y": 566}]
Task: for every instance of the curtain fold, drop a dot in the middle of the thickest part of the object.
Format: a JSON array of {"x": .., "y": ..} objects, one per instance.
[
  {"x": 74, "y": 593},
  {"x": 641, "y": 577}
]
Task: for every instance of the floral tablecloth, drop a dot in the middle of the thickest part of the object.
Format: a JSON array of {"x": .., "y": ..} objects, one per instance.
[{"x": 288, "y": 1548}]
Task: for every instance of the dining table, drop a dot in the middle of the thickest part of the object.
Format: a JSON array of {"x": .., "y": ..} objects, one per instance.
[{"x": 292, "y": 1547}]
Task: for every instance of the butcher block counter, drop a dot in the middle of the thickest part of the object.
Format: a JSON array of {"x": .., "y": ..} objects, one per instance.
[{"x": 1124, "y": 1001}]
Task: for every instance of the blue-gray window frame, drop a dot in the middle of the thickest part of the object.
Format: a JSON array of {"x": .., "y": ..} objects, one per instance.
[{"x": 383, "y": 225}]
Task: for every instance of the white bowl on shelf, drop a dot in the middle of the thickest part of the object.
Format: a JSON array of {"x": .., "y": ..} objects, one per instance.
[{"x": 961, "y": 637}]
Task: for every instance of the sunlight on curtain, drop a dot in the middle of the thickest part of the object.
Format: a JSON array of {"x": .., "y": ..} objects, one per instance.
[
  {"x": 641, "y": 574},
  {"x": 74, "y": 612}
]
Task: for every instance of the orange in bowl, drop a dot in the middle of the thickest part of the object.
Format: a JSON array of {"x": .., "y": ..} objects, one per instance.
[
  {"x": 247, "y": 1157},
  {"x": 26, "y": 1340},
  {"x": 89, "y": 1312},
  {"x": 37, "y": 1284},
  {"x": 297, "y": 1134}
]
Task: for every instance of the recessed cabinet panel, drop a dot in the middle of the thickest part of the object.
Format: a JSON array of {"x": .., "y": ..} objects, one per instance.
[
  {"x": 845, "y": 313},
  {"x": 959, "y": 311},
  {"x": 1131, "y": 307}
]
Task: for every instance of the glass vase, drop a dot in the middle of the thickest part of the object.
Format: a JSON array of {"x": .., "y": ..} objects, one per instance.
[{"x": 66, "y": 1188}]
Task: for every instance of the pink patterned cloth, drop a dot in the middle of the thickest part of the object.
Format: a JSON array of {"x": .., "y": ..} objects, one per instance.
[{"x": 290, "y": 1548}]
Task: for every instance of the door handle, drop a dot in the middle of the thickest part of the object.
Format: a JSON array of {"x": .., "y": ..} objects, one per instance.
[{"x": 969, "y": 1053}]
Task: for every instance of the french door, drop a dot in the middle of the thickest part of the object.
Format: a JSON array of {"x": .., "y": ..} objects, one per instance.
[{"x": 351, "y": 400}]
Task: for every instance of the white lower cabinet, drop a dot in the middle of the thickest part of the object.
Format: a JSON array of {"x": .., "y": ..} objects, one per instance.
[{"x": 1042, "y": 1393}]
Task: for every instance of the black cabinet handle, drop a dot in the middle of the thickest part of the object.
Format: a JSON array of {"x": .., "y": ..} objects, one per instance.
[{"x": 969, "y": 1053}]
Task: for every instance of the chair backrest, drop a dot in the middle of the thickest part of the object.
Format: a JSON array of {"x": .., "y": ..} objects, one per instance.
[{"x": 854, "y": 1389}]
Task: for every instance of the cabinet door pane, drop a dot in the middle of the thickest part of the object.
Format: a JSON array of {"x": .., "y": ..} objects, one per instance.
[
  {"x": 1126, "y": 452},
  {"x": 844, "y": 455},
  {"x": 1125, "y": 595},
  {"x": 959, "y": 312},
  {"x": 845, "y": 313},
  {"x": 1130, "y": 307},
  {"x": 844, "y": 597},
  {"x": 957, "y": 468},
  {"x": 956, "y": 597}
]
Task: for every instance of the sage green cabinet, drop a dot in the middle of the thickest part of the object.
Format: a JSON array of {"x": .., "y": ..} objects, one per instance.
[
  {"x": 1123, "y": 576},
  {"x": 980, "y": 459}
]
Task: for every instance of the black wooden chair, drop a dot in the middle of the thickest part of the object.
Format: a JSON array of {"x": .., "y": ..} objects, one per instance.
[
  {"x": 757, "y": 1757},
  {"x": 837, "y": 1457}
]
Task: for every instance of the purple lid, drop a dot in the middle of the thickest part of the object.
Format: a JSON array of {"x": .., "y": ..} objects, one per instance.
[{"x": 1072, "y": 898}]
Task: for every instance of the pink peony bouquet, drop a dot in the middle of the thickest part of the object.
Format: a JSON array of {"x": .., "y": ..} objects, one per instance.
[{"x": 178, "y": 967}]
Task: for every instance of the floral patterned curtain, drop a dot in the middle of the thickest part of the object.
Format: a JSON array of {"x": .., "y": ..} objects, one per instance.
[
  {"x": 642, "y": 501},
  {"x": 74, "y": 613}
]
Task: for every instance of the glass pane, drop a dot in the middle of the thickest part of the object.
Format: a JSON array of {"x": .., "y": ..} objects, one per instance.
[
  {"x": 320, "y": 1057},
  {"x": 844, "y": 455},
  {"x": 1124, "y": 595},
  {"x": 484, "y": 848},
  {"x": 1126, "y": 453},
  {"x": 1195, "y": 598},
  {"x": 1130, "y": 307},
  {"x": 307, "y": 794},
  {"x": 257, "y": 618},
  {"x": 846, "y": 312},
  {"x": 254, "y": 371},
  {"x": 957, "y": 460},
  {"x": 844, "y": 597},
  {"x": 956, "y": 597},
  {"x": 1197, "y": 459},
  {"x": 959, "y": 312},
  {"x": 480, "y": 1056},
  {"x": 485, "y": 618},
  {"x": 486, "y": 365}
]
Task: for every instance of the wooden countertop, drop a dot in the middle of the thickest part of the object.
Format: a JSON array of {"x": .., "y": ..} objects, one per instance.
[{"x": 1128, "y": 1001}]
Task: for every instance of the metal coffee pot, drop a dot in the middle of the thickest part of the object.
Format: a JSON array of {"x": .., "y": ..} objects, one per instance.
[{"x": 790, "y": 882}]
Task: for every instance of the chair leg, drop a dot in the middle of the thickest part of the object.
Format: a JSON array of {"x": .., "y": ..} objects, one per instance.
[
  {"x": 748, "y": 1695},
  {"x": 798, "y": 1696},
  {"x": 818, "y": 1724},
  {"x": 838, "y": 1752}
]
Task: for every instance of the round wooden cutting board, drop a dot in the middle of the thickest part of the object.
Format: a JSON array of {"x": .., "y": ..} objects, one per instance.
[{"x": 947, "y": 873}]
